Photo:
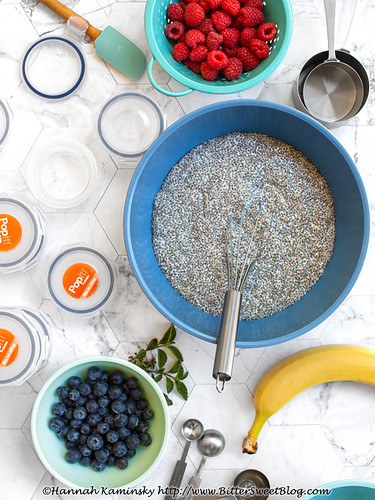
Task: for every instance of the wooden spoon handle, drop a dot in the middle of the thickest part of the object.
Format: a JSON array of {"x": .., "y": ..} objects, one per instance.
[{"x": 64, "y": 12}]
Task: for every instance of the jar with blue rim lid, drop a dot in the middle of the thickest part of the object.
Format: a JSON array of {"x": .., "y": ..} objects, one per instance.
[{"x": 4, "y": 122}]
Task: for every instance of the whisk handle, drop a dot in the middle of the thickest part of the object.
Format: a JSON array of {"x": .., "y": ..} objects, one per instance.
[{"x": 226, "y": 342}]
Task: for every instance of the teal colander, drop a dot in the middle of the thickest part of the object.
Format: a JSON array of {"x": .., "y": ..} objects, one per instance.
[{"x": 276, "y": 11}]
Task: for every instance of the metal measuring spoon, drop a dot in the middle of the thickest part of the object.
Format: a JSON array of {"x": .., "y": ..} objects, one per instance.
[
  {"x": 333, "y": 90},
  {"x": 211, "y": 444},
  {"x": 192, "y": 429}
]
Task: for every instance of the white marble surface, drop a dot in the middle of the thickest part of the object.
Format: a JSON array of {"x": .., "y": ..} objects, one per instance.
[{"x": 324, "y": 434}]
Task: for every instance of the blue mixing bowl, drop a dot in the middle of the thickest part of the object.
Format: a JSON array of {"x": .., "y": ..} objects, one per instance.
[
  {"x": 346, "y": 490},
  {"x": 320, "y": 147}
]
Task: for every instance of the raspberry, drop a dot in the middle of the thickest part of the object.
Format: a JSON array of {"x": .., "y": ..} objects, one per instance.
[
  {"x": 208, "y": 73},
  {"x": 175, "y": 12},
  {"x": 257, "y": 4},
  {"x": 266, "y": 32},
  {"x": 231, "y": 6},
  {"x": 233, "y": 69},
  {"x": 193, "y": 65},
  {"x": 260, "y": 48},
  {"x": 205, "y": 5},
  {"x": 193, "y": 14},
  {"x": 193, "y": 37},
  {"x": 231, "y": 37},
  {"x": 214, "y": 4},
  {"x": 214, "y": 40},
  {"x": 237, "y": 23},
  {"x": 230, "y": 52},
  {"x": 205, "y": 26},
  {"x": 182, "y": 4},
  {"x": 246, "y": 35},
  {"x": 199, "y": 53},
  {"x": 221, "y": 20},
  {"x": 180, "y": 52},
  {"x": 191, "y": 1},
  {"x": 217, "y": 59},
  {"x": 175, "y": 30},
  {"x": 250, "y": 16},
  {"x": 249, "y": 59}
]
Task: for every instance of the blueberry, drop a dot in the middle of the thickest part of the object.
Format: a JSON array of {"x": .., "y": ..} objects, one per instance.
[
  {"x": 130, "y": 453},
  {"x": 72, "y": 456},
  {"x": 103, "y": 401},
  {"x": 105, "y": 376},
  {"x": 116, "y": 377},
  {"x": 62, "y": 434},
  {"x": 136, "y": 394},
  {"x": 100, "y": 388},
  {"x": 91, "y": 397},
  {"x": 98, "y": 466},
  {"x": 132, "y": 383},
  {"x": 138, "y": 413},
  {"x": 69, "y": 445},
  {"x": 75, "y": 424},
  {"x": 123, "y": 433},
  {"x": 82, "y": 439},
  {"x": 81, "y": 401},
  {"x": 122, "y": 462},
  {"x": 112, "y": 436},
  {"x": 145, "y": 438},
  {"x": 73, "y": 435},
  {"x": 68, "y": 402},
  {"x": 133, "y": 421},
  {"x": 102, "y": 428},
  {"x": 114, "y": 391},
  {"x": 103, "y": 412},
  {"x": 120, "y": 420},
  {"x": 85, "y": 389},
  {"x": 79, "y": 413},
  {"x": 56, "y": 424},
  {"x": 74, "y": 382},
  {"x": 119, "y": 449},
  {"x": 131, "y": 407},
  {"x": 125, "y": 388},
  {"x": 74, "y": 395},
  {"x": 85, "y": 450},
  {"x": 110, "y": 419},
  {"x": 111, "y": 460},
  {"x": 93, "y": 419},
  {"x": 85, "y": 428},
  {"x": 91, "y": 406},
  {"x": 147, "y": 414},
  {"x": 94, "y": 374},
  {"x": 68, "y": 414},
  {"x": 109, "y": 447},
  {"x": 62, "y": 392},
  {"x": 142, "y": 403},
  {"x": 142, "y": 426},
  {"x": 102, "y": 455},
  {"x": 95, "y": 442},
  {"x": 133, "y": 441},
  {"x": 58, "y": 409},
  {"x": 85, "y": 461},
  {"x": 118, "y": 406}
]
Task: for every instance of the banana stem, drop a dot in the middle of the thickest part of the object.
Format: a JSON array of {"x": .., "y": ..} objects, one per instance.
[{"x": 250, "y": 444}]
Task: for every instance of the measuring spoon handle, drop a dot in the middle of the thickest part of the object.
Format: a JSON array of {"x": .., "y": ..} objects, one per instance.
[
  {"x": 330, "y": 9},
  {"x": 179, "y": 471}
]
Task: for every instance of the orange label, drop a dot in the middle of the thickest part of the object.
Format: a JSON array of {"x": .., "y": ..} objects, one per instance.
[
  {"x": 80, "y": 281},
  {"x": 8, "y": 348},
  {"x": 10, "y": 232}
]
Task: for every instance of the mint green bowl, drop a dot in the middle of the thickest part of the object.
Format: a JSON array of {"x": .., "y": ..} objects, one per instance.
[
  {"x": 51, "y": 450},
  {"x": 277, "y": 11}
]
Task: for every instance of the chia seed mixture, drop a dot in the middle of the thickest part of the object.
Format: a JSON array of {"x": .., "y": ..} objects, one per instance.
[{"x": 268, "y": 199}]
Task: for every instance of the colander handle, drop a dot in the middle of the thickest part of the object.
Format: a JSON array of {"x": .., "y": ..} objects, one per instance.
[{"x": 157, "y": 87}]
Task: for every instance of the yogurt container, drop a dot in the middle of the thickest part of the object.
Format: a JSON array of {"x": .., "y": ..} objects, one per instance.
[
  {"x": 22, "y": 235},
  {"x": 4, "y": 122},
  {"x": 25, "y": 342},
  {"x": 81, "y": 280}
]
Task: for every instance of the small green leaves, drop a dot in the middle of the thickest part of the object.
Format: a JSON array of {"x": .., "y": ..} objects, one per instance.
[{"x": 160, "y": 366}]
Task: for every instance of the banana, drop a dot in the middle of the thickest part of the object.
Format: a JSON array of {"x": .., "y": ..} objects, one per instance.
[{"x": 304, "y": 369}]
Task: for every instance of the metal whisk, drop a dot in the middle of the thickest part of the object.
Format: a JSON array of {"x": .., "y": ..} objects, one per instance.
[{"x": 238, "y": 270}]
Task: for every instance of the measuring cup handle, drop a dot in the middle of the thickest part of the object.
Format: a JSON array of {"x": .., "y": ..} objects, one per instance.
[
  {"x": 160, "y": 89},
  {"x": 330, "y": 9}
]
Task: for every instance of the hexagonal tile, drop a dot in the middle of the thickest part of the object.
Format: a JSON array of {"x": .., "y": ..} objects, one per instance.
[
  {"x": 16, "y": 403},
  {"x": 21, "y": 471},
  {"x": 365, "y": 284},
  {"x": 50, "y": 486}
]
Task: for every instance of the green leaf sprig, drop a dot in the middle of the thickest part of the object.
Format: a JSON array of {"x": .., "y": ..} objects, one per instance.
[{"x": 154, "y": 359}]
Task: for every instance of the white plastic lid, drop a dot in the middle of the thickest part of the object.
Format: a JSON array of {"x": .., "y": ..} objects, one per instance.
[
  {"x": 81, "y": 280},
  {"x": 24, "y": 340},
  {"x": 129, "y": 123},
  {"x": 62, "y": 173},
  {"x": 53, "y": 67},
  {"x": 4, "y": 122},
  {"x": 19, "y": 233}
]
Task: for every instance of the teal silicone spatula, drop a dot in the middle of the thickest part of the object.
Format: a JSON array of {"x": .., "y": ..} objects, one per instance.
[{"x": 110, "y": 44}]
